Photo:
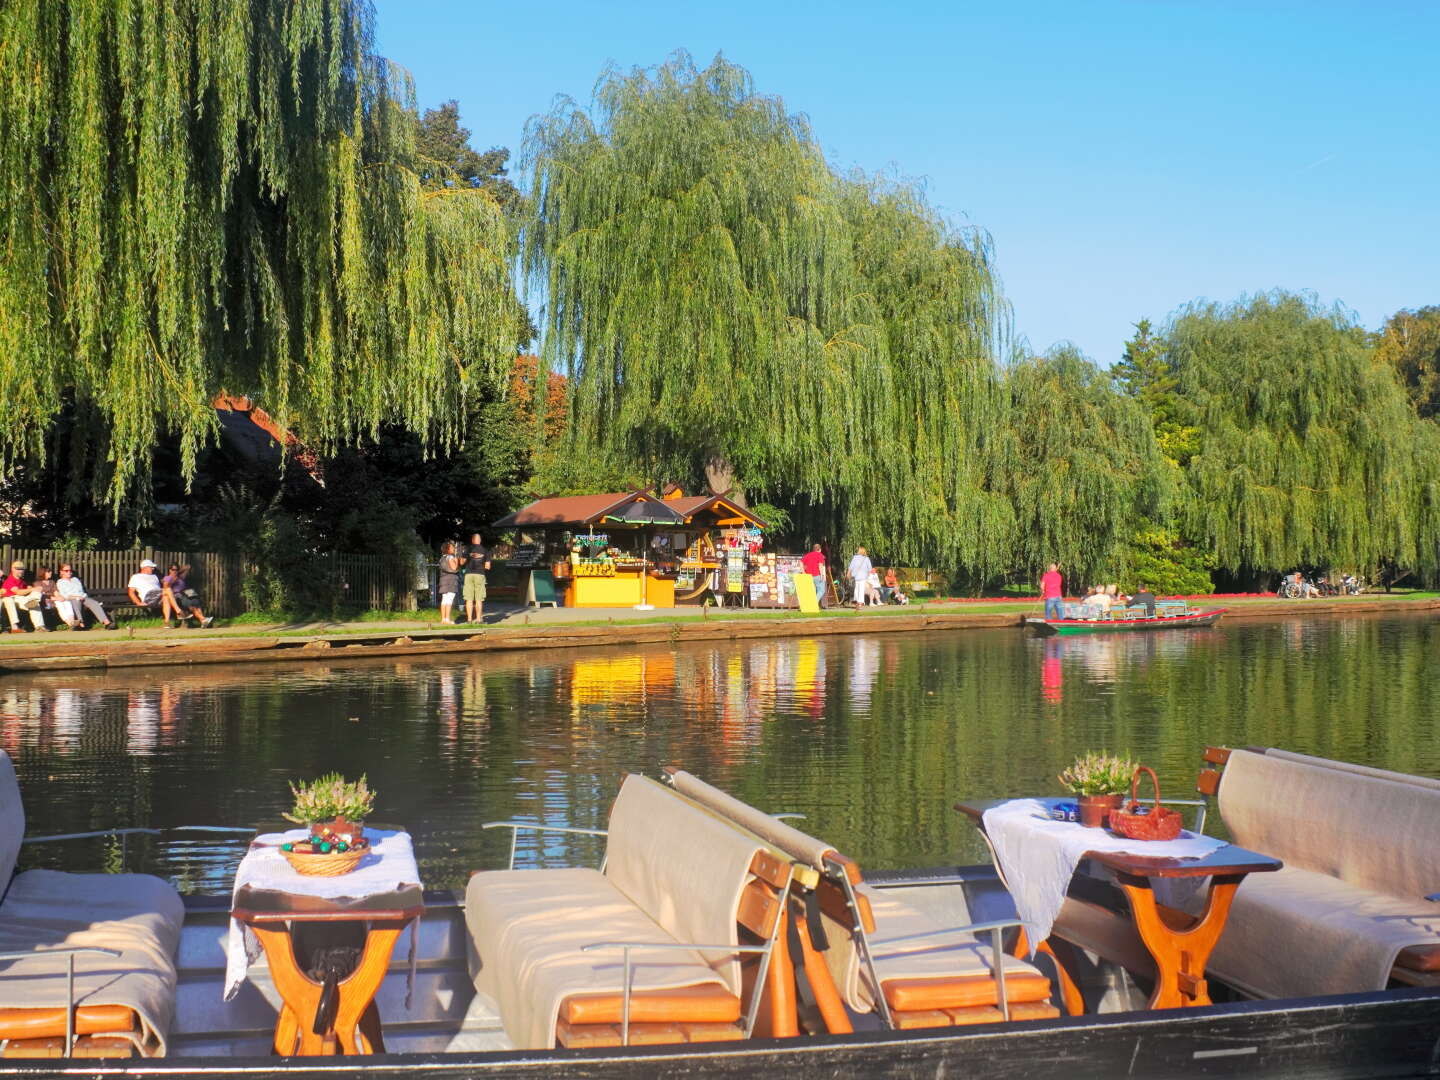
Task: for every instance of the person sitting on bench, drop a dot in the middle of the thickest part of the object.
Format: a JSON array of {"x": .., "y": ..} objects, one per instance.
[
  {"x": 18, "y": 594},
  {"x": 72, "y": 601},
  {"x": 145, "y": 591},
  {"x": 179, "y": 598}
]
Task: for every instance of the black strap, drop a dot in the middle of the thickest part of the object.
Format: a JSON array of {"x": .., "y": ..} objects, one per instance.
[{"x": 819, "y": 940}]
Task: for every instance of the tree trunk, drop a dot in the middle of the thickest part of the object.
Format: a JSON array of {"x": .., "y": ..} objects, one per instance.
[{"x": 720, "y": 477}]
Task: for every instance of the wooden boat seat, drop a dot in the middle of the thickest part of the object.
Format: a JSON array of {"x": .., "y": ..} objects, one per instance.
[
  {"x": 675, "y": 875},
  {"x": 944, "y": 978},
  {"x": 124, "y": 998},
  {"x": 1348, "y": 912}
]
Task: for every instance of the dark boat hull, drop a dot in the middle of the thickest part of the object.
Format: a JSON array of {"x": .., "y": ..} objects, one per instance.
[
  {"x": 1189, "y": 620},
  {"x": 1391, "y": 1033}
]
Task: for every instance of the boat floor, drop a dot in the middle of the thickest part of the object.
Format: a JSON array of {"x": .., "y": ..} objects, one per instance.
[{"x": 446, "y": 1015}]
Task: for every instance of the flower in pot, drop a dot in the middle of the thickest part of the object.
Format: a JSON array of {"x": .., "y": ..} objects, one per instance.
[
  {"x": 1100, "y": 781},
  {"x": 334, "y": 808}
]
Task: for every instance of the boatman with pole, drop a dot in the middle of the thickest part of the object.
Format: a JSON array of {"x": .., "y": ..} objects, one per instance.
[{"x": 1052, "y": 593}]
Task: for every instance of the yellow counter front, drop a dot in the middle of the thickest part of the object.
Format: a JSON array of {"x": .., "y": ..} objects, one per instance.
[{"x": 620, "y": 588}]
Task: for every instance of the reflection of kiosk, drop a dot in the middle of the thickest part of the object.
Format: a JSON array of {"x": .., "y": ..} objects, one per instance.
[{"x": 630, "y": 548}]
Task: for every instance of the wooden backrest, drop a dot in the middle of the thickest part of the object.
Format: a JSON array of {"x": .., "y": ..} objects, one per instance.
[{"x": 12, "y": 820}]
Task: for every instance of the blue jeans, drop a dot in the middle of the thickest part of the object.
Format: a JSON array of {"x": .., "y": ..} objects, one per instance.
[{"x": 1054, "y": 607}]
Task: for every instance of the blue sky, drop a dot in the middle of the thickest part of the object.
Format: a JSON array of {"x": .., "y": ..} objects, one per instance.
[{"x": 1126, "y": 157}]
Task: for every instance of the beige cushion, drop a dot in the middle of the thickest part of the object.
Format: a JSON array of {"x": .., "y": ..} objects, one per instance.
[
  {"x": 681, "y": 865},
  {"x": 527, "y": 928},
  {"x": 1296, "y": 933},
  {"x": 798, "y": 845},
  {"x": 954, "y": 954},
  {"x": 1351, "y": 767},
  {"x": 136, "y": 914},
  {"x": 1370, "y": 832},
  {"x": 12, "y": 819}
]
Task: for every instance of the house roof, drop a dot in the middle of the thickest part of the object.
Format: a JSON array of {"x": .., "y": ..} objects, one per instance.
[{"x": 573, "y": 510}]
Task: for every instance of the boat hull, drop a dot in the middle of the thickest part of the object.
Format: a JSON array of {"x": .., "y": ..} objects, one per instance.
[
  {"x": 1069, "y": 627},
  {"x": 1389, "y": 1033}
]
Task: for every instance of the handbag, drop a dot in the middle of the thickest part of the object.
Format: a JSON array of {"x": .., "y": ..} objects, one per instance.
[{"x": 1137, "y": 822}]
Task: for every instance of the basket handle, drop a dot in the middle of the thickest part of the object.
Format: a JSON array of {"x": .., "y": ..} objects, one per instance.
[{"x": 1135, "y": 784}]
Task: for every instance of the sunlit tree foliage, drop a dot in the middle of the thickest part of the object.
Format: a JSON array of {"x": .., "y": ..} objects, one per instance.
[
  {"x": 727, "y": 306},
  {"x": 1309, "y": 452},
  {"x": 204, "y": 196}
]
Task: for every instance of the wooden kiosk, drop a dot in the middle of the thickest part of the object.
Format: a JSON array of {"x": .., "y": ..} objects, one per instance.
[{"x": 628, "y": 548}]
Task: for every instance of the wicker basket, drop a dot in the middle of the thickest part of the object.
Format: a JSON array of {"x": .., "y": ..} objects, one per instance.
[
  {"x": 1158, "y": 823},
  {"x": 326, "y": 864}
]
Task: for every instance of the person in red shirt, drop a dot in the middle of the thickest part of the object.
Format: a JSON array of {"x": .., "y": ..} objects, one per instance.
[
  {"x": 18, "y": 593},
  {"x": 1052, "y": 593},
  {"x": 814, "y": 563}
]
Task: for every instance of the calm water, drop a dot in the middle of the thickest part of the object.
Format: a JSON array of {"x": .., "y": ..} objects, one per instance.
[{"x": 873, "y": 738}]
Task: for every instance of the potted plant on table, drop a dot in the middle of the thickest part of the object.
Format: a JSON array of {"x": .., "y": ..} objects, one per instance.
[
  {"x": 1100, "y": 780},
  {"x": 334, "y": 809}
]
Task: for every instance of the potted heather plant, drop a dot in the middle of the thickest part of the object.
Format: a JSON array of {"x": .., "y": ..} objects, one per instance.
[
  {"x": 332, "y": 806},
  {"x": 1099, "y": 780}
]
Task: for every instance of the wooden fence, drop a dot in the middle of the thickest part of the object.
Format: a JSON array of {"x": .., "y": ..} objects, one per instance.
[{"x": 365, "y": 581}]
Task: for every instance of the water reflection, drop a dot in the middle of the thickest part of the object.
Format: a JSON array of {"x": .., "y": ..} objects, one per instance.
[{"x": 873, "y": 738}]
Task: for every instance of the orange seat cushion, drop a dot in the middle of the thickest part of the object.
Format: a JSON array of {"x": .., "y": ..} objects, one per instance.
[
  {"x": 981, "y": 1014},
  {"x": 587, "y": 1036},
  {"x": 46, "y": 1023},
  {"x": 963, "y": 991},
  {"x": 709, "y": 1004}
]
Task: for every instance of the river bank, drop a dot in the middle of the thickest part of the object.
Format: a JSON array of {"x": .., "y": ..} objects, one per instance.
[{"x": 565, "y": 628}]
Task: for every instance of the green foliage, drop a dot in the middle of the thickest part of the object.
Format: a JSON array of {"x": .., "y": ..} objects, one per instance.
[
  {"x": 1098, "y": 772},
  {"x": 1409, "y": 342},
  {"x": 1309, "y": 452},
  {"x": 776, "y": 517},
  {"x": 725, "y": 305},
  {"x": 1160, "y": 559},
  {"x": 446, "y": 158},
  {"x": 330, "y": 796},
  {"x": 1144, "y": 373},
  {"x": 207, "y": 196},
  {"x": 1082, "y": 466}
]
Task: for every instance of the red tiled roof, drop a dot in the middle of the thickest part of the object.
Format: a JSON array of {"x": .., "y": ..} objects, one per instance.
[{"x": 591, "y": 509}]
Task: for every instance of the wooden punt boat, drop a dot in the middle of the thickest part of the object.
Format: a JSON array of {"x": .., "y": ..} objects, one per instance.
[
  {"x": 1390, "y": 1033},
  {"x": 1186, "y": 619}
]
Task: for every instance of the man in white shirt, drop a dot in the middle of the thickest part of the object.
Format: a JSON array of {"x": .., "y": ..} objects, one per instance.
[
  {"x": 73, "y": 597},
  {"x": 860, "y": 574},
  {"x": 144, "y": 587}
]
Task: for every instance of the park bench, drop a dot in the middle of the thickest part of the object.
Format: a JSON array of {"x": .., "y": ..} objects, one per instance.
[
  {"x": 877, "y": 953},
  {"x": 88, "y": 959},
  {"x": 646, "y": 950}
]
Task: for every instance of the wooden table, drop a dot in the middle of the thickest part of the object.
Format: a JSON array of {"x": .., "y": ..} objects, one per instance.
[
  {"x": 1179, "y": 943},
  {"x": 355, "y": 1028}
]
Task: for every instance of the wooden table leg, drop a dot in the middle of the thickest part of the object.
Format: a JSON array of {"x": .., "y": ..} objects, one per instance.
[
  {"x": 298, "y": 991},
  {"x": 357, "y": 990},
  {"x": 1180, "y": 944},
  {"x": 301, "y": 994}
]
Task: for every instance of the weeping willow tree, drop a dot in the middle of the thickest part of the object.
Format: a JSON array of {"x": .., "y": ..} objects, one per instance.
[
  {"x": 1309, "y": 452},
  {"x": 1083, "y": 466},
  {"x": 726, "y": 305},
  {"x": 218, "y": 196}
]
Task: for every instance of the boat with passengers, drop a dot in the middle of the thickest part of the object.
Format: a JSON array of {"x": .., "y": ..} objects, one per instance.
[
  {"x": 717, "y": 939},
  {"x": 1082, "y": 618}
]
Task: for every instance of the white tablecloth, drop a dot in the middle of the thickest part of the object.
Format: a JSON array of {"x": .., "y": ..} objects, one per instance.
[
  {"x": 388, "y": 867},
  {"x": 1038, "y": 856}
]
